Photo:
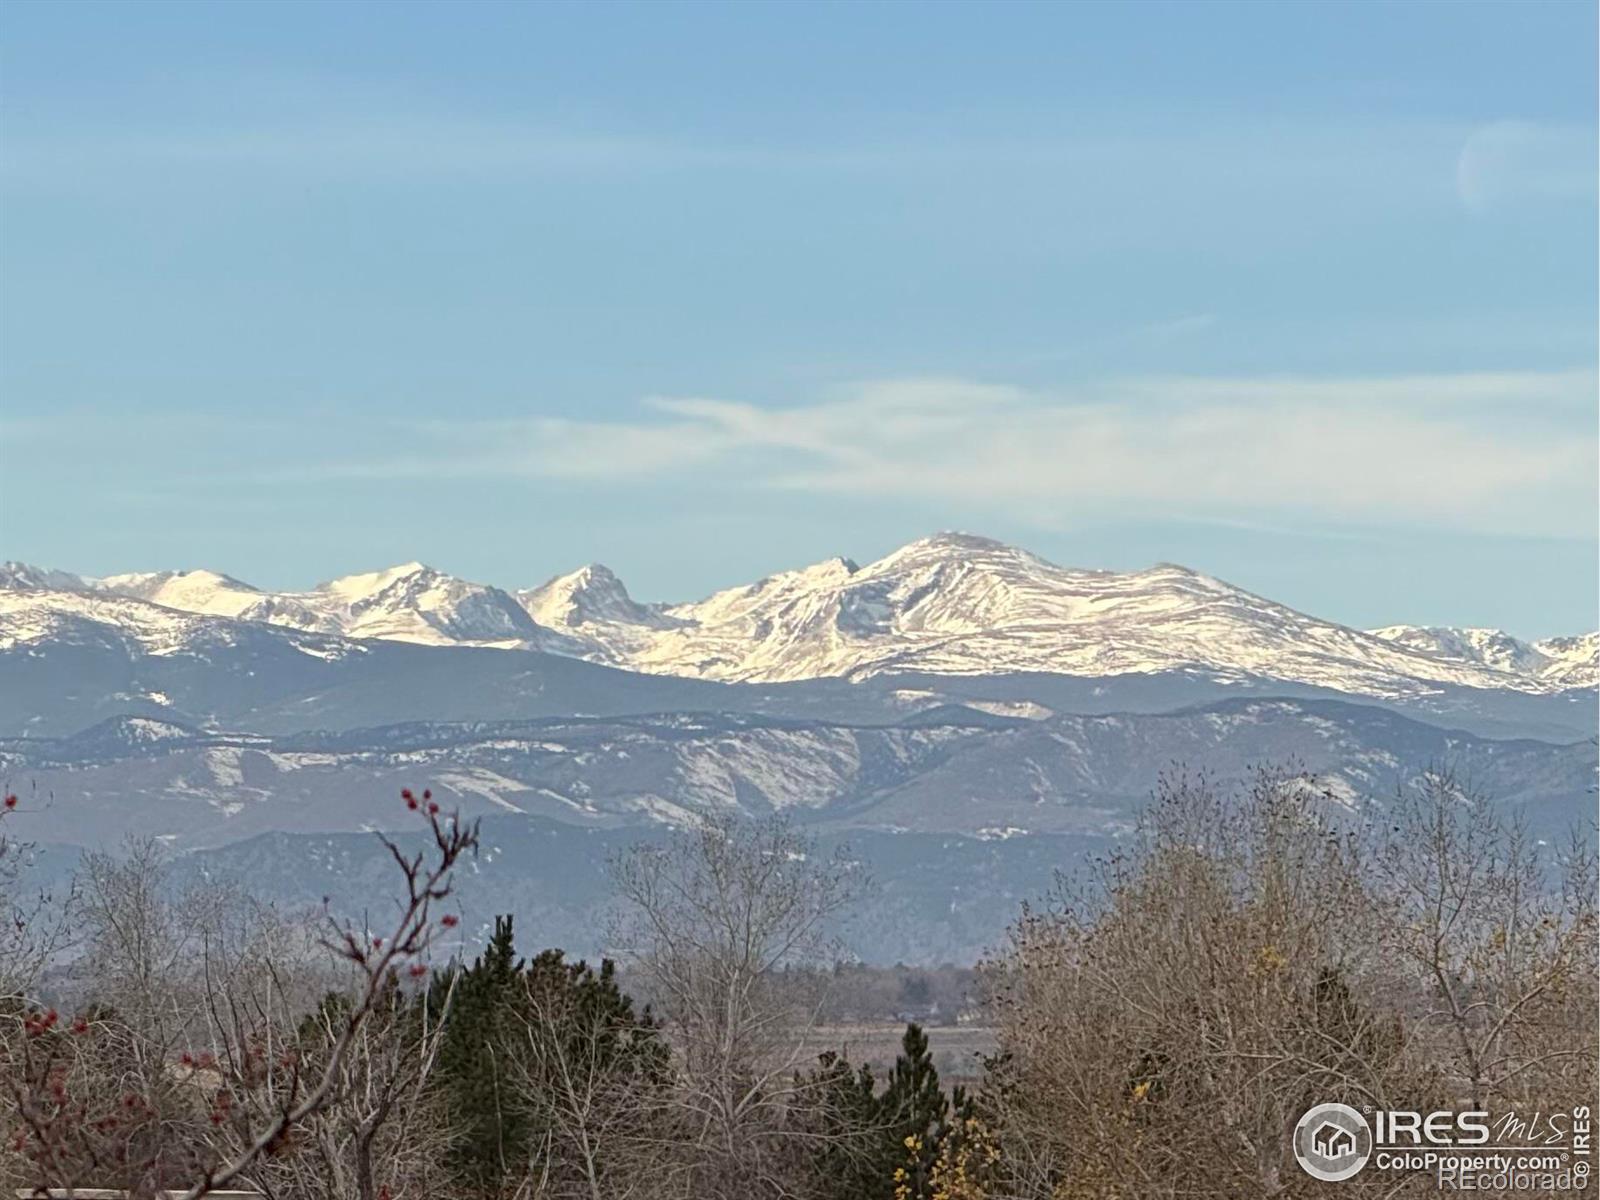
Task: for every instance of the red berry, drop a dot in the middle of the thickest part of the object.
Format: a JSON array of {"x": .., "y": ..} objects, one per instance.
[
  {"x": 449, "y": 921},
  {"x": 11, "y": 800}
]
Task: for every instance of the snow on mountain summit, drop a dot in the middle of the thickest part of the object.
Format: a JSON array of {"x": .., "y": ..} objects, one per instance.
[
  {"x": 956, "y": 604},
  {"x": 208, "y": 592},
  {"x": 591, "y": 611},
  {"x": 587, "y": 595},
  {"x": 948, "y": 604},
  {"x": 959, "y": 604},
  {"x": 1486, "y": 647},
  {"x": 1562, "y": 661},
  {"x": 355, "y": 588},
  {"x": 25, "y": 577},
  {"x": 1570, "y": 661},
  {"x": 415, "y": 603},
  {"x": 410, "y": 603}
]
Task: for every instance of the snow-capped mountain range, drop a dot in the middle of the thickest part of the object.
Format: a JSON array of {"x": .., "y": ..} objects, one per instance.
[
  {"x": 947, "y": 605},
  {"x": 1564, "y": 661},
  {"x": 974, "y": 715},
  {"x": 408, "y": 603}
]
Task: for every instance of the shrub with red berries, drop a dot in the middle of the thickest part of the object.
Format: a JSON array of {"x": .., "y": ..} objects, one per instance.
[{"x": 114, "y": 1098}]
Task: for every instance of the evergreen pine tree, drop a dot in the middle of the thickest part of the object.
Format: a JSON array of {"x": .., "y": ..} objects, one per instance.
[
  {"x": 849, "y": 1163},
  {"x": 509, "y": 1020},
  {"x": 913, "y": 1113},
  {"x": 491, "y": 1135}
]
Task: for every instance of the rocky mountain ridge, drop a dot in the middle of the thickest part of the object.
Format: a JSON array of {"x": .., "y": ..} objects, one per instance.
[
  {"x": 955, "y": 771},
  {"x": 948, "y": 605}
]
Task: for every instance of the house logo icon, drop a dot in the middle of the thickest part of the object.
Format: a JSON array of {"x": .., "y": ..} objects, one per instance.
[{"x": 1332, "y": 1142}]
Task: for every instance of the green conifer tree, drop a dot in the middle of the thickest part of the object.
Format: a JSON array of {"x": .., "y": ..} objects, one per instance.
[
  {"x": 491, "y": 1136},
  {"x": 849, "y": 1163},
  {"x": 913, "y": 1114}
]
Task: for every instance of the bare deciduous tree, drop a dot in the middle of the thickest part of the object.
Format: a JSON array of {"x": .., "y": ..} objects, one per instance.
[
  {"x": 1163, "y": 1028},
  {"x": 122, "y": 1095},
  {"x": 592, "y": 1075},
  {"x": 33, "y": 923},
  {"x": 1497, "y": 932},
  {"x": 711, "y": 918},
  {"x": 1251, "y": 954}
]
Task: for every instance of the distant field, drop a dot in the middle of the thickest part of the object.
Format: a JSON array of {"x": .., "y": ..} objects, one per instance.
[{"x": 955, "y": 1047}]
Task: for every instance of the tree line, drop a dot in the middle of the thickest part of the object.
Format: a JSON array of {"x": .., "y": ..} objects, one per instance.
[{"x": 1160, "y": 1021}]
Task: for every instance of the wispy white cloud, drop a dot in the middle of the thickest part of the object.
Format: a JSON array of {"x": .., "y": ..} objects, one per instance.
[
  {"x": 1508, "y": 161},
  {"x": 422, "y": 146},
  {"x": 1429, "y": 449},
  {"x": 1229, "y": 158}
]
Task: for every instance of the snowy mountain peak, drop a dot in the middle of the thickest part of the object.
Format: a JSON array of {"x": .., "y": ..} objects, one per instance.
[
  {"x": 370, "y": 583},
  {"x": 1174, "y": 570},
  {"x": 959, "y": 604},
  {"x": 25, "y": 577},
  {"x": 949, "y": 604},
  {"x": 1490, "y": 647},
  {"x": 1582, "y": 645},
  {"x": 943, "y": 603},
  {"x": 199, "y": 577},
  {"x": 590, "y": 595},
  {"x": 951, "y": 546},
  {"x": 1571, "y": 661},
  {"x": 777, "y": 589},
  {"x": 954, "y": 541},
  {"x": 411, "y": 602},
  {"x": 414, "y": 602},
  {"x": 836, "y": 568},
  {"x": 201, "y": 591},
  {"x": 1563, "y": 661}
]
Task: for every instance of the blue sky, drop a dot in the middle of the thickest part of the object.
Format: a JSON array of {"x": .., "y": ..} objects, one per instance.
[{"x": 1300, "y": 295}]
